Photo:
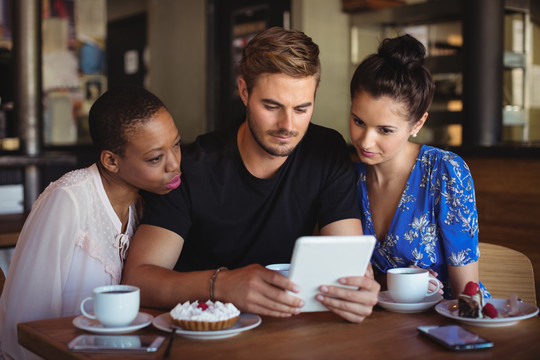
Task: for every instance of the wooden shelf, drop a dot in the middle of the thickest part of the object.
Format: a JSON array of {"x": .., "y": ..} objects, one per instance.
[
  {"x": 434, "y": 11},
  {"x": 445, "y": 64},
  {"x": 414, "y": 14},
  {"x": 45, "y": 159}
]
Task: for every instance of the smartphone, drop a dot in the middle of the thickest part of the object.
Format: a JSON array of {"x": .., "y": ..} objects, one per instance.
[
  {"x": 455, "y": 337},
  {"x": 115, "y": 343}
]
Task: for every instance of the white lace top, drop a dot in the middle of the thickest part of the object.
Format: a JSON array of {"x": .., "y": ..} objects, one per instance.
[{"x": 70, "y": 243}]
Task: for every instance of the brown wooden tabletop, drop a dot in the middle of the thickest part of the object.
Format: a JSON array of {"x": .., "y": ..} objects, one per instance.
[{"x": 320, "y": 335}]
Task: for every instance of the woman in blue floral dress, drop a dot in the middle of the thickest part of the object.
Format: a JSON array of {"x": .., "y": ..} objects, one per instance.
[{"x": 417, "y": 200}]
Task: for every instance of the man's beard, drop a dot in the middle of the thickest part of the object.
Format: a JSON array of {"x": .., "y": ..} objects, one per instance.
[{"x": 275, "y": 150}]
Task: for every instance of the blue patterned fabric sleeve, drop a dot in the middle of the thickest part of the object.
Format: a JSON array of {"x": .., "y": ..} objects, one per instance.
[{"x": 456, "y": 207}]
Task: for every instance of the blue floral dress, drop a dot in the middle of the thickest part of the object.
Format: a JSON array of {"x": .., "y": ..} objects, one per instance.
[{"x": 435, "y": 224}]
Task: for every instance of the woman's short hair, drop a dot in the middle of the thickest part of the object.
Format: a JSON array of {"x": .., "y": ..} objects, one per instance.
[
  {"x": 276, "y": 50},
  {"x": 117, "y": 112},
  {"x": 397, "y": 71}
]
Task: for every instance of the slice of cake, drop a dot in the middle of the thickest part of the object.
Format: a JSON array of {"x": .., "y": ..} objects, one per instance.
[
  {"x": 208, "y": 316},
  {"x": 471, "y": 301}
]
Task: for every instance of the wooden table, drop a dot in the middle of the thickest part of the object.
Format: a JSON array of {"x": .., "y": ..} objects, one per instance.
[{"x": 321, "y": 335}]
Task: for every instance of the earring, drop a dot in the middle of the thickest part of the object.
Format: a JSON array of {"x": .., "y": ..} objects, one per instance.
[{"x": 414, "y": 135}]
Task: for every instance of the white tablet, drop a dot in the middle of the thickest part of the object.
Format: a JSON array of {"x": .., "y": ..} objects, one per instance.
[{"x": 322, "y": 260}]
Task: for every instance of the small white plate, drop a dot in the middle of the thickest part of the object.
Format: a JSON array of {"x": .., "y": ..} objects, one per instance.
[
  {"x": 84, "y": 323},
  {"x": 450, "y": 310},
  {"x": 245, "y": 322},
  {"x": 427, "y": 303}
]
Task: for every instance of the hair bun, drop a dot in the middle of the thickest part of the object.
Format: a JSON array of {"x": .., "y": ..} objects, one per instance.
[{"x": 404, "y": 51}]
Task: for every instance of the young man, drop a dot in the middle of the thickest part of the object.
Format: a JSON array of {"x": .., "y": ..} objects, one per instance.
[{"x": 249, "y": 192}]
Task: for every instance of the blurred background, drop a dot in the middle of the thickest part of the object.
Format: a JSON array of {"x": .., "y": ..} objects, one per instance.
[{"x": 58, "y": 56}]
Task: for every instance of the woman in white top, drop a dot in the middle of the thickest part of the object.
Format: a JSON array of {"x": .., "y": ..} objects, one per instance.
[{"x": 76, "y": 236}]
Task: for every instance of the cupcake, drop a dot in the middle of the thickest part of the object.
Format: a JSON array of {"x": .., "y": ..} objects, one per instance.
[{"x": 208, "y": 316}]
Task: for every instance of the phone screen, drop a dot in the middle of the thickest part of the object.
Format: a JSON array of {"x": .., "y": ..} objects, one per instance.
[
  {"x": 111, "y": 343},
  {"x": 455, "y": 337}
]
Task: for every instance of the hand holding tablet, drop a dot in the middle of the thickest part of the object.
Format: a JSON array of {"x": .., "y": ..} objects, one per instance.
[{"x": 322, "y": 260}]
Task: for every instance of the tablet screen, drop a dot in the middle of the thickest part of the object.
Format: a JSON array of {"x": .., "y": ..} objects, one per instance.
[{"x": 322, "y": 260}]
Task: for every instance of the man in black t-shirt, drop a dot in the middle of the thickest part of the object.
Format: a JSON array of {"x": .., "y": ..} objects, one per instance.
[{"x": 249, "y": 192}]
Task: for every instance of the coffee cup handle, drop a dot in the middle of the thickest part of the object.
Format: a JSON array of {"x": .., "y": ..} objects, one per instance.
[
  {"x": 434, "y": 280},
  {"x": 84, "y": 311}
]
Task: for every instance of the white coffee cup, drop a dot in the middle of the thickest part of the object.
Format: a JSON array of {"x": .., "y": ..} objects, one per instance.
[
  {"x": 114, "y": 305},
  {"x": 409, "y": 285},
  {"x": 283, "y": 269}
]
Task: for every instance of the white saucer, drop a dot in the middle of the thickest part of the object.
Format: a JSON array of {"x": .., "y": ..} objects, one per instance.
[
  {"x": 245, "y": 322},
  {"x": 427, "y": 303},
  {"x": 450, "y": 310},
  {"x": 84, "y": 323}
]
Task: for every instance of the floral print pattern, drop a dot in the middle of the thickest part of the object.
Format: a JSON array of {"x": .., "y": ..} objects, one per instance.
[{"x": 436, "y": 222}]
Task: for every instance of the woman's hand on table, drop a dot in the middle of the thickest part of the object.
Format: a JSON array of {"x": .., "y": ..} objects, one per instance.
[
  {"x": 353, "y": 305},
  {"x": 258, "y": 290},
  {"x": 431, "y": 286}
]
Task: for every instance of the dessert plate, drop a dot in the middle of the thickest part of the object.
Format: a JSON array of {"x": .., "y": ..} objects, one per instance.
[
  {"x": 449, "y": 309},
  {"x": 245, "y": 322},
  {"x": 84, "y": 323},
  {"x": 427, "y": 303}
]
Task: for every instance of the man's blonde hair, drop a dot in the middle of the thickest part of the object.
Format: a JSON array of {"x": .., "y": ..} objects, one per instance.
[{"x": 276, "y": 50}]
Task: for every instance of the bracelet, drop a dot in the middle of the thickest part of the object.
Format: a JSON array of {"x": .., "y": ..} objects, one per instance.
[{"x": 213, "y": 280}]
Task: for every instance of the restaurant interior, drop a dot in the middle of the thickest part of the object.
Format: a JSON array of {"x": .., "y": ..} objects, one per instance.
[{"x": 58, "y": 56}]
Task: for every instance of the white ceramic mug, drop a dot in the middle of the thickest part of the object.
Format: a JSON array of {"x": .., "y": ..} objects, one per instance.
[
  {"x": 114, "y": 305},
  {"x": 409, "y": 285},
  {"x": 283, "y": 269}
]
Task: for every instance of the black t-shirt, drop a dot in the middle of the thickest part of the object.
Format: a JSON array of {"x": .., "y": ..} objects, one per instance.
[{"x": 228, "y": 217}]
